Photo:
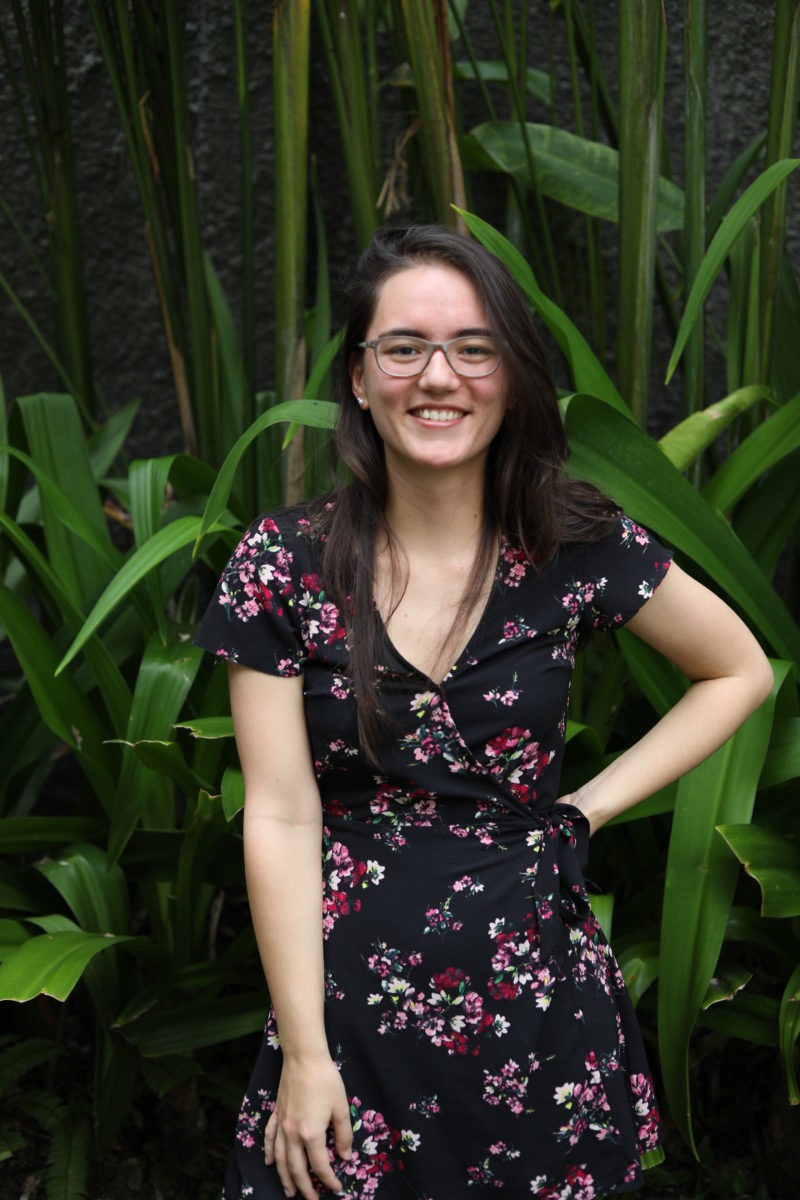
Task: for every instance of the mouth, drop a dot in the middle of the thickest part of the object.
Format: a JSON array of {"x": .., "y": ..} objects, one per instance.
[{"x": 439, "y": 416}]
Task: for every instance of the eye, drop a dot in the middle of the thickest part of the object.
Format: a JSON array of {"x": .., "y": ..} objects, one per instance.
[
  {"x": 400, "y": 348},
  {"x": 475, "y": 349}
]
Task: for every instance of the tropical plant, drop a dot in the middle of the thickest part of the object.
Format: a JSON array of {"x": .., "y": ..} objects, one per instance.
[{"x": 122, "y": 897}]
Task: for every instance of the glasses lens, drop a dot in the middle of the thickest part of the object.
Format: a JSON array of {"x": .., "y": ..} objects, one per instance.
[
  {"x": 402, "y": 355},
  {"x": 472, "y": 356}
]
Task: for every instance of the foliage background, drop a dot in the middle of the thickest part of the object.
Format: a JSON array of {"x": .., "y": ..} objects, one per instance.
[{"x": 120, "y": 797}]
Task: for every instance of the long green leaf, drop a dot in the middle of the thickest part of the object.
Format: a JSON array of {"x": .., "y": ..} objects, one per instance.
[
  {"x": 62, "y": 705},
  {"x": 789, "y": 1031},
  {"x": 135, "y": 568},
  {"x": 176, "y": 1031},
  {"x": 320, "y": 414},
  {"x": 730, "y": 228},
  {"x": 698, "y": 891},
  {"x": 783, "y": 758},
  {"x": 109, "y": 678},
  {"x": 687, "y": 440},
  {"x": 622, "y": 460},
  {"x": 769, "y": 442},
  {"x": 166, "y": 674},
  {"x": 28, "y": 835},
  {"x": 587, "y": 371}
]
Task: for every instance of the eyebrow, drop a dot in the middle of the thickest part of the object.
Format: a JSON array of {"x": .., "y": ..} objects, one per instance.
[{"x": 478, "y": 331}]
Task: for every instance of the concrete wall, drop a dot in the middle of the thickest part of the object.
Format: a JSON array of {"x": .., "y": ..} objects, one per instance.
[{"x": 130, "y": 357}]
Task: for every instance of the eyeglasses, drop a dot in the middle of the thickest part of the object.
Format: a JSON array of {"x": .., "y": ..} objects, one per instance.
[{"x": 404, "y": 356}]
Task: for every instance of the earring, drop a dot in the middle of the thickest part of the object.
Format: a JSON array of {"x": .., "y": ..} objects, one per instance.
[{"x": 361, "y": 401}]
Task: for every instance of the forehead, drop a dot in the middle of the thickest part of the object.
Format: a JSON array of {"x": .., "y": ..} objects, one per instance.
[{"x": 427, "y": 292}]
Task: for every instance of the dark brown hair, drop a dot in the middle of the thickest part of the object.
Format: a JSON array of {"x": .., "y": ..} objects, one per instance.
[{"x": 527, "y": 495}]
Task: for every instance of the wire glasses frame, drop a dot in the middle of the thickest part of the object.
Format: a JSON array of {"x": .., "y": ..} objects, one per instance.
[{"x": 404, "y": 357}]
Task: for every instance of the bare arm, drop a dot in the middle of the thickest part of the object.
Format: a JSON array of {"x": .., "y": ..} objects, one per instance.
[
  {"x": 282, "y": 848},
  {"x": 731, "y": 676}
]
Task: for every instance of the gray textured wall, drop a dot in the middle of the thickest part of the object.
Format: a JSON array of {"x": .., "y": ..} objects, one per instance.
[{"x": 130, "y": 356}]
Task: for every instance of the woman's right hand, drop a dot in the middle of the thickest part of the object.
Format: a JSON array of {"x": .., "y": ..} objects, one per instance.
[{"x": 311, "y": 1097}]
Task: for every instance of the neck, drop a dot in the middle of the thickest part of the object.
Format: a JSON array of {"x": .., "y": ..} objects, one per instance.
[{"x": 436, "y": 509}]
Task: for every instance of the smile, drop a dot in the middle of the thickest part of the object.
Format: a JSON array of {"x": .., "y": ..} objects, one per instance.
[{"x": 437, "y": 414}]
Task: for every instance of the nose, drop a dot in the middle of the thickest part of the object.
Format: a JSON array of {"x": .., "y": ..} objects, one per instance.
[{"x": 438, "y": 373}]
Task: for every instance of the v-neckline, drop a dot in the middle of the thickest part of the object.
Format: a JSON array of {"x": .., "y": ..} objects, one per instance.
[{"x": 463, "y": 653}]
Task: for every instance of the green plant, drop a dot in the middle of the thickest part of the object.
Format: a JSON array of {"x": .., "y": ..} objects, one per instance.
[{"x": 123, "y": 902}]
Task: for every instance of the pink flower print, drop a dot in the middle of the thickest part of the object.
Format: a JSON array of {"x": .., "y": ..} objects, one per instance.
[{"x": 631, "y": 532}]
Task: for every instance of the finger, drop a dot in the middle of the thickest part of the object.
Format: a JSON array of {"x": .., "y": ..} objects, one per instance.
[
  {"x": 342, "y": 1132},
  {"x": 270, "y": 1131},
  {"x": 320, "y": 1161},
  {"x": 297, "y": 1163},
  {"x": 282, "y": 1163}
]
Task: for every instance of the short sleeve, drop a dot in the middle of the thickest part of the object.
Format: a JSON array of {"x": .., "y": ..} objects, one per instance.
[
  {"x": 252, "y": 618},
  {"x": 620, "y": 573}
]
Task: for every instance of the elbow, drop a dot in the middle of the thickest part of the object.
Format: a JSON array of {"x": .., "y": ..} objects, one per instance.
[
  {"x": 764, "y": 680},
  {"x": 760, "y": 680}
]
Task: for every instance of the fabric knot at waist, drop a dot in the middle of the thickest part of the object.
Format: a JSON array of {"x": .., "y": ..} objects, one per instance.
[{"x": 559, "y": 888}]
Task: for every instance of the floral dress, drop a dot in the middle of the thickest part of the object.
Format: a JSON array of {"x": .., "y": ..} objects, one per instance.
[{"x": 477, "y": 1015}]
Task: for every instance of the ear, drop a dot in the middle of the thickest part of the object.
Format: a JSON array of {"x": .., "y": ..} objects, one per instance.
[{"x": 357, "y": 377}]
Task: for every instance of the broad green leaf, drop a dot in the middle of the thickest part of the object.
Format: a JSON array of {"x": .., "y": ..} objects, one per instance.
[
  {"x": 639, "y": 966},
  {"x": 109, "y": 678},
  {"x": 698, "y": 890},
  {"x": 748, "y": 1016},
  {"x": 12, "y": 934},
  {"x": 687, "y": 440},
  {"x": 191, "y": 892},
  {"x": 68, "y": 514},
  {"x": 789, "y": 1030},
  {"x": 623, "y": 461},
  {"x": 773, "y": 861},
  {"x": 106, "y": 442},
  {"x": 537, "y": 83},
  {"x": 62, "y": 705},
  {"x": 95, "y": 892},
  {"x": 769, "y": 442},
  {"x": 205, "y": 1023},
  {"x": 58, "y": 447},
  {"x": 165, "y": 758},
  {"x": 726, "y": 983},
  {"x": 135, "y": 568},
  {"x": 602, "y": 906},
  {"x": 783, "y": 756},
  {"x": 766, "y": 516},
  {"x": 233, "y": 793},
  {"x": 588, "y": 373},
  {"x": 208, "y": 727},
  {"x": 28, "y": 835},
  {"x": 572, "y": 170},
  {"x": 746, "y": 925},
  {"x": 166, "y": 674},
  {"x": 51, "y": 964},
  {"x": 730, "y": 228}
]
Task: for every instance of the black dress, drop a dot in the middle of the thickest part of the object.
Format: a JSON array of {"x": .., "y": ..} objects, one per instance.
[{"x": 477, "y": 1015}]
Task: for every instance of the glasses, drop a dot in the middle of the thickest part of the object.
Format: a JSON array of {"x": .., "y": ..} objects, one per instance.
[{"x": 404, "y": 356}]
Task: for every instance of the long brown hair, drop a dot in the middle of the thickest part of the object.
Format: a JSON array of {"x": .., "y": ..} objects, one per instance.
[{"x": 527, "y": 496}]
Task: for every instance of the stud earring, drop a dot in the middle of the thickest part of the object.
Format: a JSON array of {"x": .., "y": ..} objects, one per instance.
[{"x": 361, "y": 401}]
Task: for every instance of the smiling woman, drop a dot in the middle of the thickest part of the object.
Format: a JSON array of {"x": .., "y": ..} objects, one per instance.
[
  {"x": 447, "y": 1018},
  {"x": 434, "y": 404}
]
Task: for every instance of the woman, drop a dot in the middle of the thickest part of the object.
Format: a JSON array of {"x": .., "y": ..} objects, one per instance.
[{"x": 401, "y": 655}]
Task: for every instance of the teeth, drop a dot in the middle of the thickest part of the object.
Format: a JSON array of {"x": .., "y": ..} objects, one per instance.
[{"x": 438, "y": 414}]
